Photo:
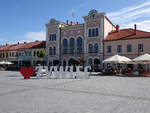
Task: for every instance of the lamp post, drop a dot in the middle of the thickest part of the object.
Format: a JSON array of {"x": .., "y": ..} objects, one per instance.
[{"x": 60, "y": 48}]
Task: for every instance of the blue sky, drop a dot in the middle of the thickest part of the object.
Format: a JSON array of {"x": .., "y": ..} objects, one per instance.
[{"x": 24, "y": 20}]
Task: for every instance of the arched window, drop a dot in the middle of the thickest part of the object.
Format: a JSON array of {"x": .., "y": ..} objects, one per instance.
[
  {"x": 96, "y": 61},
  {"x": 96, "y": 48},
  {"x": 50, "y": 50},
  {"x": 65, "y": 46},
  {"x": 90, "y": 48},
  {"x": 90, "y": 62},
  {"x": 72, "y": 45},
  {"x": 79, "y": 45}
]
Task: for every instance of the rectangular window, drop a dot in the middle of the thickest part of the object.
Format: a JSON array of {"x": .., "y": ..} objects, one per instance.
[
  {"x": 49, "y": 37},
  {"x": 129, "y": 48},
  {"x": 6, "y": 54},
  {"x": 97, "y": 31},
  {"x": 52, "y": 37},
  {"x": 34, "y": 53},
  {"x": 3, "y": 55},
  {"x": 16, "y": 54},
  {"x": 90, "y": 32},
  {"x": 13, "y": 54},
  {"x": 50, "y": 50},
  {"x": 19, "y": 53},
  {"x": 93, "y": 32},
  {"x": 10, "y": 54},
  {"x": 140, "y": 47},
  {"x": 54, "y": 51},
  {"x": 109, "y": 49},
  {"x": 119, "y": 48}
]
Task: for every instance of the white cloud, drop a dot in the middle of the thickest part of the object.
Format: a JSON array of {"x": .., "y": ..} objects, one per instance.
[
  {"x": 3, "y": 41},
  {"x": 129, "y": 9},
  {"x": 78, "y": 8},
  {"x": 27, "y": 37},
  {"x": 32, "y": 36},
  {"x": 142, "y": 25},
  {"x": 127, "y": 17}
]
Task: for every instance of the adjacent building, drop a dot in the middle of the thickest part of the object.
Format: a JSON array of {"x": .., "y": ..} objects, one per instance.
[
  {"x": 22, "y": 53},
  {"x": 127, "y": 42}
]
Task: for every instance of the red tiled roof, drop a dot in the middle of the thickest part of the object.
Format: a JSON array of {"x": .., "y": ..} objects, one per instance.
[
  {"x": 127, "y": 34},
  {"x": 33, "y": 45},
  {"x": 16, "y": 46},
  {"x": 29, "y": 45},
  {"x": 5, "y": 48}
]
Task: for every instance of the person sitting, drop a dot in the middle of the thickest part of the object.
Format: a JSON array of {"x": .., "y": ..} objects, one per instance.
[{"x": 136, "y": 73}]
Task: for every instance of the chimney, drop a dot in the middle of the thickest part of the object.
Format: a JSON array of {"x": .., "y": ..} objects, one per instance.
[
  {"x": 117, "y": 28},
  {"x": 18, "y": 43},
  {"x": 135, "y": 27},
  {"x": 71, "y": 23},
  {"x": 77, "y": 22},
  {"x": 67, "y": 22},
  {"x": 24, "y": 42}
]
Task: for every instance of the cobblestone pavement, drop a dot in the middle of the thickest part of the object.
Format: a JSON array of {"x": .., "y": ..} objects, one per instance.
[{"x": 103, "y": 94}]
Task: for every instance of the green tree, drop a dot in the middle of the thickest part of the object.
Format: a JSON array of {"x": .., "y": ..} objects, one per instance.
[{"x": 41, "y": 54}]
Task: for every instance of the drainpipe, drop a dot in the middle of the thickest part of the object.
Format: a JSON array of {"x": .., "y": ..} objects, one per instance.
[
  {"x": 60, "y": 47},
  {"x": 103, "y": 52}
]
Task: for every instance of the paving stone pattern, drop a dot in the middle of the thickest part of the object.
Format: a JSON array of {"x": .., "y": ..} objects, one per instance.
[{"x": 99, "y": 94}]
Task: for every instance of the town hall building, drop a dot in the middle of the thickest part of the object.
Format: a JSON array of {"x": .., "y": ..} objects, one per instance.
[{"x": 73, "y": 43}]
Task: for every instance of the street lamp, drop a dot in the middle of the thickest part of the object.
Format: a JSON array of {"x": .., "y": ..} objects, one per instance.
[{"x": 60, "y": 48}]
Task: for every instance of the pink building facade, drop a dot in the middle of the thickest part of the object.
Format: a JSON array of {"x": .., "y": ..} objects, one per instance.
[{"x": 74, "y": 43}]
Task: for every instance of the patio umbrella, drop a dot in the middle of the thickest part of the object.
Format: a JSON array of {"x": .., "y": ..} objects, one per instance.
[
  {"x": 117, "y": 59},
  {"x": 142, "y": 59},
  {"x": 5, "y": 63}
]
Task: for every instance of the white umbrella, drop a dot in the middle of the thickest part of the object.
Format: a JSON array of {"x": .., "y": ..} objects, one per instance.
[
  {"x": 9, "y": 63},
  {"x": 6, "y": 62},
  {"x": 143, "y": 58},
  {"x": 117, "y": 59}
]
